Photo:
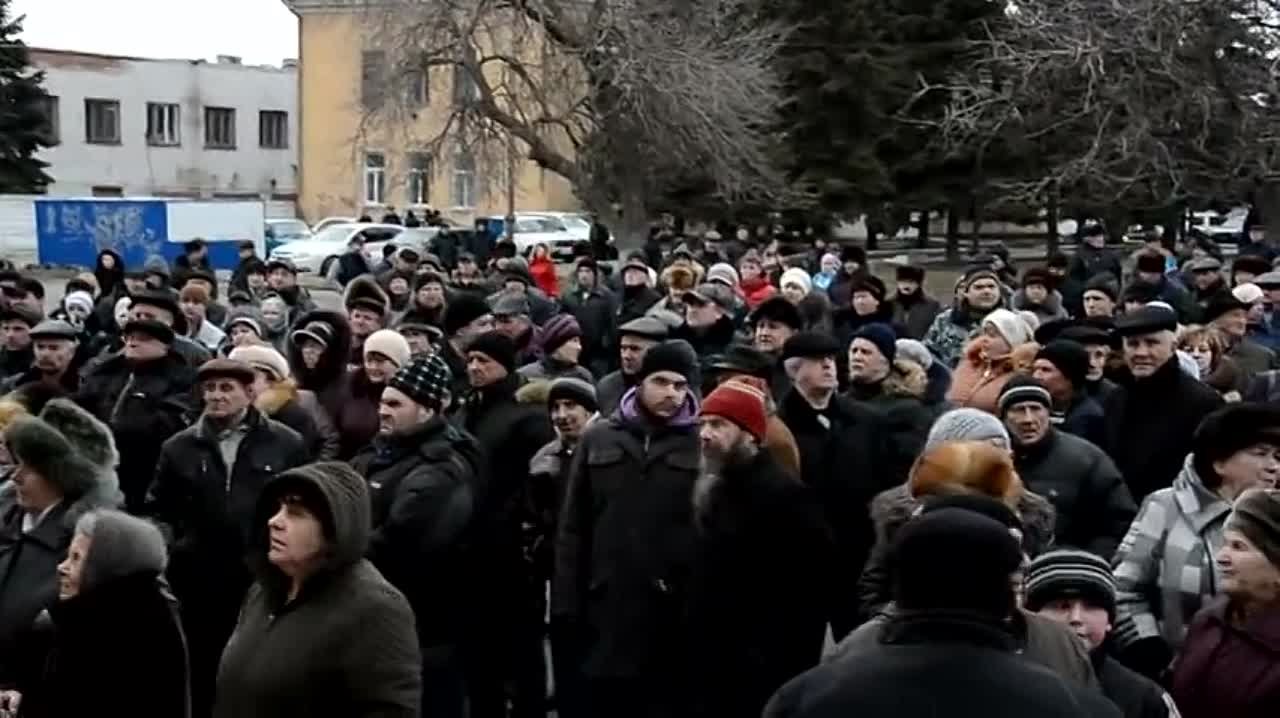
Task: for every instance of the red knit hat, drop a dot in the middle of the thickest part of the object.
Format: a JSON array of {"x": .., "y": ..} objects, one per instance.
[{"x": 741, "y": 401}]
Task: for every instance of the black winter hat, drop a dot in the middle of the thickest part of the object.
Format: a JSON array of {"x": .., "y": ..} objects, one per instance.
[
  {"x": 954, "y": 559},
  {"x": 1071, "y": 358},
  {"x": 868, "y": 283},
  {"x": 811, "y": 345},
  {"x": 1037, "y": 275},
  {"x": 41, "y": 444},
  {"x": 426, "y": 381},
  {"x": 910, "y": 273},
  {"x": 498, "y": 347},
  {"x": 1229, "y": 430},
  {"x": 573, "y": 389},
  {"x": 853, "y": 253},
  {"x": 464, "y": 309},
  {"x": 672, "y": 356},
  {"x": 779, "y": 309},
  {"x": 1220, "y": 304},
  {"x": 1251, "y": 263},
  {"x": 152, "y": 328},
  {"x": 1070, "y": 573},
  {"x": 1023, "y": 388},
  {"x": 1104, "y": 283}
]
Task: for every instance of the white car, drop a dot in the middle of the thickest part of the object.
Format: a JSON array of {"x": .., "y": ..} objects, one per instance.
[
  {"x": 575, "y": 223},
  {"x": 1219, "y": 227},
  {"x": 317, "y": 253},
  {"x": 330, "y": 221},
  {"x": 535, "y": 229}
]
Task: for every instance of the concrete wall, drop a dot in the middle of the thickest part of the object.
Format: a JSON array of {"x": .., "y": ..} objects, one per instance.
[{"x": 189, "y": 169}]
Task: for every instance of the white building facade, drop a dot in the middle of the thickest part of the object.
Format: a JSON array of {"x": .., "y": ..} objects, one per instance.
[{"x": 127, "y": 127}]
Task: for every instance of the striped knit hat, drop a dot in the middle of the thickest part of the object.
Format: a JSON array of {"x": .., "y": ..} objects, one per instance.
[
  {"x": 1070, "y": 573},
  {"x": 1024, "y": 388}
]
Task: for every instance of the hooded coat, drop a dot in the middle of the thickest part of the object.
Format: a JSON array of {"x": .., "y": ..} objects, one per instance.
[
  {"x": 74, "y": 451},
  {"x": 595, "y": 309},
  {"x": 300, "y": 410},
  {"x": 344, "y": 647},
  {"x": 328, "y": 380},
  {"x": 978, "y": 380},
  {"x": 899, "y": 401},
  {"x": 1229, "y": 669},
  {"x": 120, "y": 635}
]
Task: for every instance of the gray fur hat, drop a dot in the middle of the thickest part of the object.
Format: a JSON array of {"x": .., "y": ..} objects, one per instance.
[
  {"x": 120, "y": 545},
  {"x": 72, "y": 450}
]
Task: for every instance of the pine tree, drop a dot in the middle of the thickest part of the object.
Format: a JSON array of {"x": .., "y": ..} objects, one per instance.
[{"x": 23, "y": 115}]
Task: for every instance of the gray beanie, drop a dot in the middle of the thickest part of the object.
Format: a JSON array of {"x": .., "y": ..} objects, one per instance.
[
  {"x": 966, "y": 425},
  {"x": 120, "y": 545}
]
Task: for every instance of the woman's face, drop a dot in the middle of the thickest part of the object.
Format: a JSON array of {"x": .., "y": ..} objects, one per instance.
[
  {"x": 108, "y": 261},
  {"x": 297, "y": 538},
  {"x": 749, "y": 270},
  {"x": 431, "y": 295},
  {"x": 399, "y": 286},
  {"x": 242, "y": 335},
  {"x": 1203, "y": 354},
  {"x": 539, "y": 251},
  {"x": 273, "y": 311},
  {"x": 312, "y": 351},
  {"x": 830, "y": 264},
  {"x": 793, "y": 292},
  {"x": 996, "y": 344},
  {"x": 1244, "y": 571},
  {"x": 72, "y": 567},
  {"x": 1255, "y": 467}
]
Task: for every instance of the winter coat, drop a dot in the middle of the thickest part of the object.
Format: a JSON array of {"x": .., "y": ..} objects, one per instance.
[
  {"x": 548, "y": 482},
  {"x": 595, "y": 310},
  {"x": 756, "y": 292},
  {"x": 144, "y": 404},
  {"x": 1226, "y": 377},
  {"x": 892, "y": 508},
  {"x": 543, "y": 271},
  {"x": 625, "y": 545},
  {"x": 15, "y": 362},
  {"x": 357, "y": 414},
  {"x": 954, "y": 667},
  {"x": 299, "y": 301},
  {"x": 609, "y": 391},
  {"x": 121, "y": 638},
  {"x": 209, "y": 335},
  {"x": 950, "y": 331},
  {"x": 1133, "y": 693},
  {"x": 978, "y": 381},
  {"x": 1229, "y": 669},
  {"x": 1088, "y": 262},
  {"x": 714, "y": 340},
  {"x": 343, "y": 648},
  {"x": 1093, "y": 505},
  {"x": 1164, "y": 567},
  {"x": 915, "y": 313},
  {"x": 1264, "y": 387},
  {"x": 1252, "y": 357},
  {"x": 635, "y": 303},
  {"x": 843, "y": 457},
  {"x": 299, "y": 410},
  {"x": 423, "y": 487},
  {"x": 845, "y": 322},
  {"x": 1084, "y": 419},
  {"x": 898, "y": 400},
  {"x": 1047, "y": 311},
  {"x": 327, "y": 380},
  {"x": 351, "y": 265},
  {"x": 758, "y": 562},
  {"x": 548, "y": 369},
  {"x": 1149, "y": 419}
]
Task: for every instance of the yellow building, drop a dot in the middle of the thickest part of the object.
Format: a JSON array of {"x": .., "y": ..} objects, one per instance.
[{"x": 352, "y": 161}]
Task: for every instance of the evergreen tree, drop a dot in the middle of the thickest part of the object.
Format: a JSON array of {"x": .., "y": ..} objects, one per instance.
[{"x": 23, "y": 113}]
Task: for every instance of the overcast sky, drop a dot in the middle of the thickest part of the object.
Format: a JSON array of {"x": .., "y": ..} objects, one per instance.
[{"x": 260, "y": 31}]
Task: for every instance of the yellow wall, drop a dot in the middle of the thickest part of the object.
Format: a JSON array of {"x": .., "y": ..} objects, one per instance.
[{"x": 335, "y": 132}]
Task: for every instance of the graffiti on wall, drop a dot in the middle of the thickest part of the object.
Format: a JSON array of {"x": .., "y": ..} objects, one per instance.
[{"x": 73, "y": 232}]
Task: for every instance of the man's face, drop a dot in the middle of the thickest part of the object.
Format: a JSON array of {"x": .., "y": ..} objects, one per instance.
[
  {"x": 257, "y": 281},
  {"x": 379, "y": 368},
  {"x": 281, "y": 278},
  {"x": 1097, "y": 241},
  {"x": 17, "y": 336},
  {"x": 482, "y": 370},
  {"x": 1048, "y": 374},
  {"x": 30, "y": 301},
  {"x": 156, "y": 314},
  {"x": 431, "y": 295},
  {"x": 142, "y": 347},
  {"x": 1147, "y": 353},
  {"x": 133, "y": 285},
  {"x": 1036, "y": 293},
  {"x": 364, "y": 322},
  {"x": 771, "y": 335},
  {"x": 419, "y": 343},
  {"x": 851, "y": 267},
  {"x": 631, "y": 350},
  {"x": 866, "y": 364},
  {"x": 53, "y": 355},
  {"x": 700, "y": 315},
  {"x": 193, "y": 311},
  {"x": 908, "y": 287},
  {"x": 816, "y": 374},
  {"x": 1028, "y": 421},
  {"x": 635, "y": 277},
  {"x": 586, "y": 277},
  {"x": 312, "y": 351},
  {"x": 477, "y": 326},
  {"x": 1098, "y": 355},
  {"x": 224, "y": 397},
  {"x": 982, "y": 293},
  {"x": 663, "y": 393},
  {"x": 1234, "y": 323},
  {"x": 398, "y": 286},
  {"x": 1098, "y": 304},
  {"x": 513, "y": 325},
  {"x": 719, "y": 436},
  {"x": 1205, "y": 278},
  {"x": 569, "y": 418},
  {"x": 242, "y": 335},
  {"x": 397, "y": 413},
  {"x": 1090, "y": 623},
  {"x": 864, "y": 303}
]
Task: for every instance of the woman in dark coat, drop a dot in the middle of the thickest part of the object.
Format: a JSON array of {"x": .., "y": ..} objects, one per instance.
[
  {"x": 319, "y": 346},
  {"x": 1230, "y": 661},
  {"x": 276, "y": 394},
  {"x": 115, "y": 630},
  {"x": 322, "y": 633}
]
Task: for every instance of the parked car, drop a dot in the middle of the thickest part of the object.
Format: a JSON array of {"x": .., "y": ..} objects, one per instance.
[
  {"x": 1219, "y": 227},
  {"x": 330, "y": 221},
  {"x": 536, "y": 228},
  {"x": 575, "y": 223},
  {"x": 317, "y": 252},
  {"x": 281, "y": 231}
]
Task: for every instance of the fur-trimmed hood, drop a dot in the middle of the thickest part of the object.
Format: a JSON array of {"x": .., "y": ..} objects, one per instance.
[
  {"x": 892, "y": 508},
  {"x": 534, "y": 392},
  {"x": 906, "y": 379},
  {"x": 276, "y": 396},
  {"x": 335, "y": 358},
  {"x": 72, "y": 450}
]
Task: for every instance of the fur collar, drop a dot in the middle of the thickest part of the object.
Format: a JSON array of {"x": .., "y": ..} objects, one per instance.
[
  {"x": 892, "y": 508},
  {"x": 276, "y": 396},
  {"x": 906, "y": 379}
]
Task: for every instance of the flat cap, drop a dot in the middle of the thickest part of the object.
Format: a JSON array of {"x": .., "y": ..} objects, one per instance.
[
  {"x": 226, "y": 368},
  {"x": 1204, "y": 264},
  {"x": 54, "y": 329},
  {"x": 1146, "y": 320},
  {"x": 509, "y": 305},
  {"x": 811, "y": 345},
  {"x": 646, "y": 327},
  {"x": 711, "y": 292},
  {"x": 157, "y": 330}
]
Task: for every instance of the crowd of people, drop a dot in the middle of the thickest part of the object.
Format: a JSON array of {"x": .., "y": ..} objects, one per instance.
[{"x": 714, "y": 480}]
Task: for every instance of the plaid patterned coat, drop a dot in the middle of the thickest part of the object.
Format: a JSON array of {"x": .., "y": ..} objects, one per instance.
[{"x": 1164, "y": 567}]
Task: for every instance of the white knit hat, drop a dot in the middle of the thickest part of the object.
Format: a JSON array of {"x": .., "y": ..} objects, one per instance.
[
  {"x": 1011, "y": 326},
  {"x": 390, "y": 344},
  {"x": 264, "y": 357},
  {"x": 796, "y": 275}
]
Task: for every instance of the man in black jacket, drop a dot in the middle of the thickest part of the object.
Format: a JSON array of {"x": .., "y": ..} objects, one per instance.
[
  {"x": 625, "y": 546},
  {"x": 1094, "y": 507},
  {"x": 634, "y": 339},
  {"x": 1063, "y": 367},
  {"x": 1157, "y": 408},
  {"x": 637, "y": 296},
  {"x": 206, "y": 489},
  {"x": 841, "y": 448},
  {"x": 16, "y": 353},
  {"x": 595, "y": 308},
  {"x": 423, "y": 475},
  {"x": 1077, "y": 588}
]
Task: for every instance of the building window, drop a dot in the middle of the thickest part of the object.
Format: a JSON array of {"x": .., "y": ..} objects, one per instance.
[
  {"x": 50, "y": 130},
  {"x": 373, "y": 70},
  {"x": 375, "y": 177},
  {"x": 163, "y": 125},
  {"x": 102, "y": 122},
  {"x": 273, "y": 129},
  {"x": 220, "y": 128},
  {"x": 464, "y": 180},
  {"x": 417, "y": 92},
  {"x": 465, "y": 90},
  {"x": 419, "y": 180}
]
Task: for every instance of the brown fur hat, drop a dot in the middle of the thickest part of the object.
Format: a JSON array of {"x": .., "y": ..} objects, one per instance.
[{"x": 972, "y": 467}]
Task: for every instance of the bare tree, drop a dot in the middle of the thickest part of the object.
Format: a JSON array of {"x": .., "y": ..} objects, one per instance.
[
  {"x": 616, "y": 96},
  {"x": 1147, "y": 102}
]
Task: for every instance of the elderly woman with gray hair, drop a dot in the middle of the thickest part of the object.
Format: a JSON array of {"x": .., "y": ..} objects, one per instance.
[{"x": 114, "y": 633}]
